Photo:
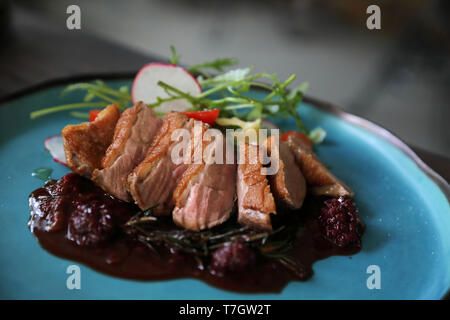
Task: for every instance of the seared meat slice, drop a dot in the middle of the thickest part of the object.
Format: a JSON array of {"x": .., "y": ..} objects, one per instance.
[
  {"x": 320, "y": 180},
  {"x": 205, "y": 195},
  {"x": 288, "y": 184},
  {"x": 85, "y": 144},
  {"x": 154, "y": 179},
  {"x": 134, "y": 133},
  {"x": 255, "y": 201}
]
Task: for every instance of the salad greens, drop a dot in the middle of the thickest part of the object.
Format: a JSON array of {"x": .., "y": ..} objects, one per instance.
[
  {"x": 226, "y": 91},
  {"x": 104, "y": 94},
  {"x": 42, "y": 173}
]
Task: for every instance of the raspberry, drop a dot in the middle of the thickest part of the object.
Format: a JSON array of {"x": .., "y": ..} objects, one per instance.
[
  {"x": 232, "y": 258},
  {"x": 90, "y": 224},
  {"x": 340, "y": 222},
  {"x": 68, "y": 185}
]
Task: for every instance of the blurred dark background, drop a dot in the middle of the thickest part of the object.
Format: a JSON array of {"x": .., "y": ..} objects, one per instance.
[{"x": 398, "y": 76}]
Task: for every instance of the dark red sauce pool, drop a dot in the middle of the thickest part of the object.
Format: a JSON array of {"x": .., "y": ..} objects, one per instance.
[{"x": 74, "y": 219}]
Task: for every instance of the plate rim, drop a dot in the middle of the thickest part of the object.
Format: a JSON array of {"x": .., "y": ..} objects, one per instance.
[
  {"x": 330, "y": 108},
  {"x": 385, "y": 134}
]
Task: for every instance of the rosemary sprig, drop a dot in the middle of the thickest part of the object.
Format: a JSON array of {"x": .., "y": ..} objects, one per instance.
[
  {"x": 143, "y": 216},
  {"x": 272, "y": 245}
]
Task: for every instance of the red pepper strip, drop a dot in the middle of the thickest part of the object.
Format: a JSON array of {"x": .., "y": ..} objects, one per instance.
[
  {"x": 93, "y": 114},
  {"x": 285, "y": 136},
  {"x": 207, "y": 116}
]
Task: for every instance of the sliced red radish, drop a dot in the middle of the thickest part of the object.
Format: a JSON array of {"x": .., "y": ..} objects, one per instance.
[
  {"x": 145, "y": 85},
  {"x": 55, "y": 146}
]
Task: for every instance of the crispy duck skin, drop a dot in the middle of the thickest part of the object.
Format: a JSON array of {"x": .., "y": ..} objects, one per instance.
[
  {"x": 152, "y": 182},
  {"x": 205, "y": 195},
  {"x": 288, "y": 184},
  {"x": 133, "y": 134},
  {"x": 319, "y": 179},
  {"x": 85, "y": 144},
  {"x": 255, "y": 200}
]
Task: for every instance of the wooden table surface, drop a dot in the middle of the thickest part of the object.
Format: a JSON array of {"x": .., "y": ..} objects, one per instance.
[{"x": 36, "y": 51}]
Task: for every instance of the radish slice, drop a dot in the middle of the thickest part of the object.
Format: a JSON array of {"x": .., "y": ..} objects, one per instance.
[
  {"x": 145, "y": 85},
  {"x": 55, "y": 146}
]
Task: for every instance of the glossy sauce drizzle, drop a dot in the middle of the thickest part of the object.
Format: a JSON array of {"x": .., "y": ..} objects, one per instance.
[{"x": 74, "y": 219}]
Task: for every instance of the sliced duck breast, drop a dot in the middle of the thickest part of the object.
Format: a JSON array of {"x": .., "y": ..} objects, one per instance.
[
  {"x": 205, "y": 195},
  {"x": 133, "y": 135},
  {"x": 152, "y": 182},
  {"x": 319, "y": 179},
  {"x": 288, "y": 184},
  {"x": 255, "y": 200},
  {"x": 85, "y": 144}
]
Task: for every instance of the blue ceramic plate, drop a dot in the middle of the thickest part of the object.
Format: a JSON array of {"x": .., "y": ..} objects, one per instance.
[{"x": 406, "y": 212}]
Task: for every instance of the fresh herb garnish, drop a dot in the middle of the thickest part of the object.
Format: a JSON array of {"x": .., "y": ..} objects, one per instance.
[
  {"x": 272, "y": 245},
  {"x": 216, "y": 65},
  {"x": 42, "y": 173},
  {"x": 80, "y": 115},
  {"x": 202, "y": 68},
  {"x": 226, "y": 91},
  {"x": 232, "y": 86},
  {"x": 317, "y": 135},
  {"x": 175, "y": 56},
  {"x": 143, "y": 216},
  {"x": 98, "y": 95}
]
